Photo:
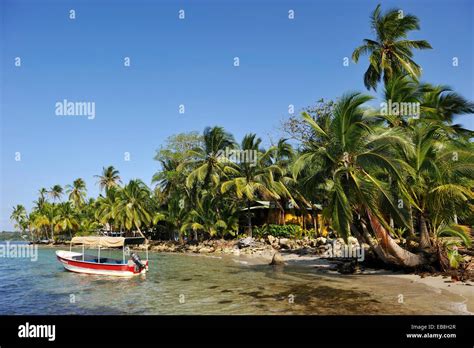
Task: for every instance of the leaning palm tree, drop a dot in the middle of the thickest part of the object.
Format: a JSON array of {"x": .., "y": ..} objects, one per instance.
[
  {"x": 391, "y": 52},
  {"x": 77, "y": 192},
  {"x": 110, "y": 178},
  {"x": 354, "y": 151},
  {"x": 55, "y": 192},
  {"x": 250, "y": 180},
  {"x": 134, "y": 205},
  {"x": 20, "y": 216}
]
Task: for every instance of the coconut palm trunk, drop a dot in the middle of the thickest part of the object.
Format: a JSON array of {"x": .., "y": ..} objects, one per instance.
[
  {"x": 425, "y": 241},
  {"x": 410, "y": 221},
  {"x": 141, "y": 233},
  {"x": 249, "y": 219},
  {"x": 389, "y": 251}
]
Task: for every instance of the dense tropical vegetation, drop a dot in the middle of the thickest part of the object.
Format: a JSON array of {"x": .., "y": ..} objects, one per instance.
[{"x": 399, "y": 179}]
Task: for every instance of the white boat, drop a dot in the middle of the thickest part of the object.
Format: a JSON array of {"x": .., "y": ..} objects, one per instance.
[{"x": 80, "y": 262}]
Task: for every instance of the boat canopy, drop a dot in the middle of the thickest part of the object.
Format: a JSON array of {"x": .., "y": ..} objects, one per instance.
[{"x": 106, "y": 242}]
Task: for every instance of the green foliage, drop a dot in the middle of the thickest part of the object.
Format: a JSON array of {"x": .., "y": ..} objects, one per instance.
[
  {"x": 460, "y": 234},
  {"x": 279, "y": 231},
  {"x": 400, "y": 232},
  {"x": 453, "y": 254},
  {"x": 77, "y": 192},
  {"x": 176, "y": 146},
  {"x": 451, "y": 238},
  {"x": 390, "y": 53}
]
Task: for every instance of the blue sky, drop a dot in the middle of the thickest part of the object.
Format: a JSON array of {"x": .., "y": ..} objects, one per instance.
[{"x": 186, "y": 62}]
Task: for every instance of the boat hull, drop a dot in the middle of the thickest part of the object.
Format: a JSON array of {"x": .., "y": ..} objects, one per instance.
[{"x": 119, "y": 270}]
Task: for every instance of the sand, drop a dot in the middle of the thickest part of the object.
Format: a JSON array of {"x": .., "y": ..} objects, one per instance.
[
  {"x": 428, "y": 288},
  {"x": 465, "y": 290}
]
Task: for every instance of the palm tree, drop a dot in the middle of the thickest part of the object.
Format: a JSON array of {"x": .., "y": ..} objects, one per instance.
[
  {"x": 176, "y": 213},
  {"x": 170, "y": 177},
  {"x": 67, "y": 218},
  {"x": 177, "y": 199},
  {"x": 436, "y": 103},
  {"x": 442, "y": 172},
  {"x": 55, "y": 192},
  {"x": 206, "y": 161},
  {"x": 283, "y": 155},
  {"x": 106, "y": 208},
  {"x": 441, "y": 104},
  {"x": 88, "y": 226},
  {"x": 355, "y": 150},
  {"x": 46, "y": 218},
  {"x": 77, "y": 192},
  {"x": 110, "y": 178},
  {"x": 134, "y": 205},
  {"x": 43, "y": 193},
  {"x": 34, "y": 231},
  {"x": 20, "y": 216},
  {"x": 435, "y": 140},
  {"x": 390, "y": 53},
  {"x": 313, "y": 183},
  {"x": 249, "y": 181},
  {"x": 206, "y": 218}
]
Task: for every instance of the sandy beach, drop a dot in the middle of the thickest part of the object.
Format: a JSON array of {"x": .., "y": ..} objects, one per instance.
[
  {"x": 425, "y": 289},
  {"x": 464, "y": 290}
]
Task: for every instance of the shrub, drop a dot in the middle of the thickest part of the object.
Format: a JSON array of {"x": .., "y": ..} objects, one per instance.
[{"x": 280, "y": 231}]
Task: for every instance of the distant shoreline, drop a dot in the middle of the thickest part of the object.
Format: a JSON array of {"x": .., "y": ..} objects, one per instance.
[{"x": 12, "y": 236}]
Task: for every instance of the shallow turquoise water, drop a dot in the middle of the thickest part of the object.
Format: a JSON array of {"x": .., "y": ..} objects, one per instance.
[{"x": 195, "y": 284}]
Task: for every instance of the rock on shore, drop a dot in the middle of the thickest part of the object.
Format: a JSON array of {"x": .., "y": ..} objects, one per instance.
[
  {"x": 277, "y": 259},
  {"x": 250, "y": 246}
]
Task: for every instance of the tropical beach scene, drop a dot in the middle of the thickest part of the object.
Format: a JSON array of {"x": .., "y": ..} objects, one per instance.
[{"x": 237, "y": 158}]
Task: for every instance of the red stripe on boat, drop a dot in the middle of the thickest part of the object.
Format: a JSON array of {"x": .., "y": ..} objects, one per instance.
[{"x": 102, "y": 266}]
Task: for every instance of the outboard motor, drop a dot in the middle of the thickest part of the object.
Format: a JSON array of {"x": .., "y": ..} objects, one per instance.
[{"x": 139, "y": 265}]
